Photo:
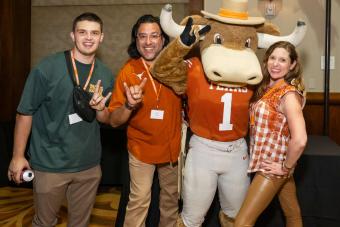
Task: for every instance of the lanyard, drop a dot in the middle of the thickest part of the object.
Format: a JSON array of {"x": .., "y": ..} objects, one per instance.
[
  {"x": 76, "y": 71},
  {"x": 153, "y": 82}
]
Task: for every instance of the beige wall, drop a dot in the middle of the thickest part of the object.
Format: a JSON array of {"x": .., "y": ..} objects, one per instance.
[
  {"x": 52, "y": 23},
  {"x": 312, "y": 48}
]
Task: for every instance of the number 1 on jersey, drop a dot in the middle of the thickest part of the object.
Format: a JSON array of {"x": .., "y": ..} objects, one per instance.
[{"x": 226, "y": 125}]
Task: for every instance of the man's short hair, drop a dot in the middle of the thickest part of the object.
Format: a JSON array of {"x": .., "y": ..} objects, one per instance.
[
  {"x": 147, "y": 18},
  {"x": 89, "y": 17}
]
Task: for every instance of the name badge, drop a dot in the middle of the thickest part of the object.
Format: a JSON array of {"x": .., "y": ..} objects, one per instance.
[
  {"x": 74, "y": 118},
  {"x": 157, "y": 114}
]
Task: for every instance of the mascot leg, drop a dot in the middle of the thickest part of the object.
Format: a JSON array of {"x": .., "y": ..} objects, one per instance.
[
  {"x": 233, "y": 183},
  {"x": 226, "y": 221}
]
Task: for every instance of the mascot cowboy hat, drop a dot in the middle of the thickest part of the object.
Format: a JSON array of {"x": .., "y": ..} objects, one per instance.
[{"x": 234, "y": 12}]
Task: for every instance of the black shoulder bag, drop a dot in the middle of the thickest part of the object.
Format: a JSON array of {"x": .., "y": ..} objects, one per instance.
[{"x": 81, "y": 98}]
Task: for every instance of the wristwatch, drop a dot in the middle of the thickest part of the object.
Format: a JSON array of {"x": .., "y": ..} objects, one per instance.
[{"x": 128, "y": 106}]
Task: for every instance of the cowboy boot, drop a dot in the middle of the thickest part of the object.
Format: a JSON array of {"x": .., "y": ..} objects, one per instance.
[
  {"x": 179, "y": 222},
  {"x": 226, "y": 221}
]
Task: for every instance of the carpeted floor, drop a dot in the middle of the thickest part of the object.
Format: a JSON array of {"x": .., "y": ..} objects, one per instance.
[{"x": 16, "y": 208}]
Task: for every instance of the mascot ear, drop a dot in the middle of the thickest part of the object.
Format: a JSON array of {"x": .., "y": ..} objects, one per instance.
[
  {"x": 268, "y": 28},
  {"x": 197, "y": 19}
]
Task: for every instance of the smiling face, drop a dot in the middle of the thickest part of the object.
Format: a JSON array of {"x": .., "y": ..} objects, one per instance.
[
  {"x": 279, "y": 64},
  {"x": 149, "y": 41},
  {"x": 86, "y": 37}
]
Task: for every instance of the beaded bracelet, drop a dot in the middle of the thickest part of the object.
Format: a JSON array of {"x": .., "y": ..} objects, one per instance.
[{"x": 284, "y": 166}]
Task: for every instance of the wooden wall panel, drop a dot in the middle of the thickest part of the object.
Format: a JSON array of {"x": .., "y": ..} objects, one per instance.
[
  {"x": 5, "y": 54},
  {"x": 313, "y": 116},
  {"x": 14, "y": 53},
  {"x": 313, "y": 113},
  {"x": 334, "y": 123}
]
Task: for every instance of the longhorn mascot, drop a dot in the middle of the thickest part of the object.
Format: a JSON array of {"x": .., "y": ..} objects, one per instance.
[{"x": 218, "y": 89}]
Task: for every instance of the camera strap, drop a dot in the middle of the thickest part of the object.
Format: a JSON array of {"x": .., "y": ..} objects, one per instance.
[
  {"x": 70, "y": 62},
  {"x": 69, "y": 66}
]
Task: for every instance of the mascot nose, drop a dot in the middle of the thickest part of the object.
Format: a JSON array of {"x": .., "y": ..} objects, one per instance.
[
  {"x": 217, "y": 74},
  {"x": 254, "y": 79}
]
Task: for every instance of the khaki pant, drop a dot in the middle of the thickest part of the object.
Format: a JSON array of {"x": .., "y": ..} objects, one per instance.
[
  {"x": 261, "y": 192},
  {"x": 141, "y": 175},
  {"x": 50, "y": 189}
]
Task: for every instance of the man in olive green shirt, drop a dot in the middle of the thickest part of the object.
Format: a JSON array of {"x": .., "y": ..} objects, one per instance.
[{"x": 64, "y": 150}]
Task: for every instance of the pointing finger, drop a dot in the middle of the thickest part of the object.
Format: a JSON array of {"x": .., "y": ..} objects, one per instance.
[
  {"x": 96, "y": 90},
  {"x": 142, "y": 84},
  {"x": 188, "y": 24},
  {"x": 127, "y": 91},
  {"x": 107, "y": 97},
  {"x": 204, "y": 30}
]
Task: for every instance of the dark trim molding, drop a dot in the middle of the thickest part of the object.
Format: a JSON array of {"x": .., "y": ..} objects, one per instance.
[{"x": 317, "y": 98}]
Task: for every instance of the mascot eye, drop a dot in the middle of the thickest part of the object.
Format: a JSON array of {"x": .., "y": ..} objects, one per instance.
[
  {"x": 218, "y": 39},
  {"x": 248, "y": 43}
]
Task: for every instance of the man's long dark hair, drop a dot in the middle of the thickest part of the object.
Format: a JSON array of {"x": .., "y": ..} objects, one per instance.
[{"x": 132, "y": 49}]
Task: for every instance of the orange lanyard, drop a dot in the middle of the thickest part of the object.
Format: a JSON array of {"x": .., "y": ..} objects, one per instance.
[
  {"x": 153, "y": 82},
  {"x": 76, "y": 71}
]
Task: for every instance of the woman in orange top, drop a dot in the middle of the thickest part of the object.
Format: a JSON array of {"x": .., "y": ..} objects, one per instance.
[{"x": 277, "y": 136}]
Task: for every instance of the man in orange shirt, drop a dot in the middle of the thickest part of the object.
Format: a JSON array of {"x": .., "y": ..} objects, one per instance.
[{"x": 153, "y": 114}]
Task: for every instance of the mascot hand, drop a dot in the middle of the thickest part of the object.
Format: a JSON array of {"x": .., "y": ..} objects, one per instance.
[{"x": 188, "y": 37}]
